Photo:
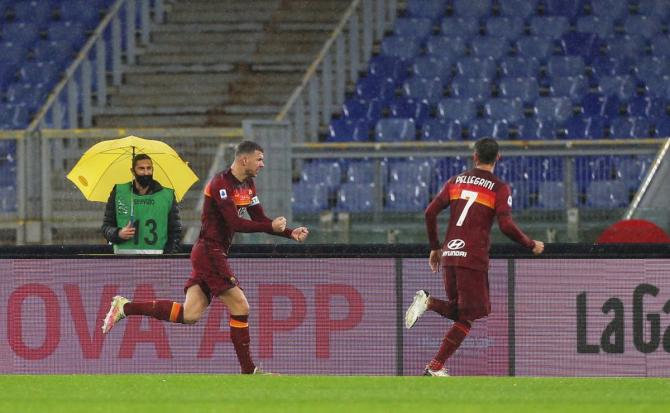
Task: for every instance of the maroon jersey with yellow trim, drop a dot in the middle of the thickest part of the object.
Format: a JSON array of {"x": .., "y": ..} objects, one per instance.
[
  {"x": 226, "y": 200},
  {"x": 475, "y": 197}
]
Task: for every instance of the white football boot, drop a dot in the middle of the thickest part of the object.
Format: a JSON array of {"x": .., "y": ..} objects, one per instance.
[
  {"x": 115, "y": 313},
  {"x": 417, "y": 308}
]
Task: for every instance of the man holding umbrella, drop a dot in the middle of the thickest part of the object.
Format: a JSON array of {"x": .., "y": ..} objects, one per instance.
[{"x": 141, "y": 216}]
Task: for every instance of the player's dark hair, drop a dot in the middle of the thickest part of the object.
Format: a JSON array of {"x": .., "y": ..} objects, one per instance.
[
  {"x": 487, "y": 150},
  {"x": 140, "y": 157},
  {"x": 247, "y": 147}
]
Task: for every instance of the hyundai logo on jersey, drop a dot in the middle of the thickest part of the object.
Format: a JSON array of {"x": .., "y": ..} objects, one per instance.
[{"x": 456, "y": 244}]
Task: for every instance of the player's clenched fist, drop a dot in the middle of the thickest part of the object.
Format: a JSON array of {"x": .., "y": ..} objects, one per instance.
[
  {"x": 279, "y": 224},
  {"x": 300, "y": 234}
]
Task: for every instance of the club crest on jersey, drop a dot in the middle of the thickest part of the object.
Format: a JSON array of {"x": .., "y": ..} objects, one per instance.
[
  {"x": 254, "y": 201},
  {"x": 454, "y": 246},
  {"x": 223, "y": 194}
]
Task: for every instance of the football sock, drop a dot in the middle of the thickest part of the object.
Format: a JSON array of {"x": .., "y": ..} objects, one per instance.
[
  {"x": 161, "y": 309},
  {"x": 446, "y": 309},
  {"x": 452, "y": 341},
  {"x": 239, "y": 335}
]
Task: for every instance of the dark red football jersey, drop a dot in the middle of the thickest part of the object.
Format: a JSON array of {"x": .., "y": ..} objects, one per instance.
[
  {"x": 475, "y": 197},
  {"x": 226, "y": 200}
]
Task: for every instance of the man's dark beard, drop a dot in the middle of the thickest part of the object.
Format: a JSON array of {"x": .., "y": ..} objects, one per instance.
[{"x": 144, "y": 180}]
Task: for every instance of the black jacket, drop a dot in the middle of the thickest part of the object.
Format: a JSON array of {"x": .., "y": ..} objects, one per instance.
[{"x": 110, "y": 229}]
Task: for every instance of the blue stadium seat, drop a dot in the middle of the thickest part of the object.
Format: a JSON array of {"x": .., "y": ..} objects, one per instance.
[
  {"x": 647, "y": 106},
  {"x": 7, "y": 75},
  {"x": 592, "y": 104},
  {"x": 325, "y": 172},
  {"x": 465, "y": 27},
  {"x": 58, "y": 52},
  {"x": 408, "y": 171},
  {"x": 625, "y": 128},
  {"x": 621, "y": 86},
  {"x": 573, "y": 87},
  {"x": 651, "y": 67},
  {"x": 576, "y": 127},
  {"x": 400, "y": 47},
  {"x": 472, "y": 8},
  {"x": 525, "y": 88},
  {"x": 660, "y": 45},
  {"x": 662, "y": 127},
  {"x": 612, "y": 66},
  {"x": 597, "y": 127},
  {"x": 417, "y": 109},
  {"x": 446, "y": 47},
  {"x": 658, "y": 8},
  {"x": 549, "y": 26},
  {"x": 475, "y": 67},
  {"x": 602, "y": 26},
  {"x": 363, "y": 171},
  {"x": 517, "y": 8},
  {"x": 607, "y": 194},
  {"x": 421, "y": 88},
  {"x": 645, "y": 26},
  {"x": 555, "y": 109},
  {"x": 32, "y": 95},
  {"x": 69, "y": 32},
  {"x": 375, "y": 87},
  {"x": 40, "y": 72},
  {"x": 489, "y": 46},
  {"x": 632, "y": 169},
  {"x": 395, "y": 129},
  {"x": 347, "y": 130},
  {"x": 582, "y": 44},
  {"x": 467, "y": 88},
  {"x": 514, "y": 66},
  {"x": 21, "y": 34},
  {"x": 13, "y": 116},
  {"x": 482, "y": 128},
  {"x": 566, "y": 66},
  {"x": 551, "y": 195},
  {"x": 567, "y": 8},
  {"x": 358, "y": 108},
  {"x": 402, "y": 197},
  {"x": 388, "y": 67},
  {"x": 656, "y": 86},
  {"x": 432, "y": 9},
  {"x": 432, "y": 66},
  {"x": 537, "y": 47},
  {"x": 612, "y": 9},
  {"x": 528, "y": 129},
  {"x": 462, "y": 110},
  {"x": 34, "y": 12},
  {"x": 356, "y": 197},
  {"x": 86, "y": 12},
  {"x": 626, "y": 45},
  {"x": 441, "y": 130},
  {"x": 509, "y": 28},
  {"x": 308, "y": 197},
  {"x": 417, "y": 28},
  {"x": 504, "y": 109},
  {"x": 8, "y": 201}
]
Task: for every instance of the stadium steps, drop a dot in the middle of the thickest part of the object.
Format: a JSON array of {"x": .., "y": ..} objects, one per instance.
[{"x": 217, "y": 63}]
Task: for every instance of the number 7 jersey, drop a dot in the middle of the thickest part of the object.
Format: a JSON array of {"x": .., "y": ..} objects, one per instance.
[{"x": 475, "y": 197}]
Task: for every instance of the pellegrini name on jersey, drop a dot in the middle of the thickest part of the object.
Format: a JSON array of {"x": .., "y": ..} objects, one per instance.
[{"x": 475, "y": 180}]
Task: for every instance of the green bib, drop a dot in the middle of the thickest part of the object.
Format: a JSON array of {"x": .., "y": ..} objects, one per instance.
[{"x": 150, "y": 218}]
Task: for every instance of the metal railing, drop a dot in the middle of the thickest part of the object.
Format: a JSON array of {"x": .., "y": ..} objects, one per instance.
[
  {"x": 345, "y": 52},
  {"x": 84, "y": 87}
]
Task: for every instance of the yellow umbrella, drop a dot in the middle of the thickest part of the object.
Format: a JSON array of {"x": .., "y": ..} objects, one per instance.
[{"x": 108, "y": 163}]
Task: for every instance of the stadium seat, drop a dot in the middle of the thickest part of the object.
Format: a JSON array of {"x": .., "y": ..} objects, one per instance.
[
  {"x": 58, "y": 52},
  {"x": 612, "y": 9},
  {"x": 308, "y": 197},
  {"x": 322, "y": 172},
  {"x": 86, "y": 12},
  {"x": 69, "y": 32},
  {"x": 446, "y": 47},
  {"x": 504, "y": 109},
  {"x": 662, "y": 127},
  {"x": 555, "y": 109},
  {"x": 583, "y": 44},
  {"x": 489, "y": 47},
  {"x": 626, "y": 45},
  {"x": 597, "y": 127},
  {"x": 656, "y": 85},
  {"x": 395, "y": 129},
  {"x": 624, "y": 128},
  {"x": 383, "y": 66},
  {"x": 551, "y": 195},
  {"x": 400, "y": 47},
  {"x": 402, "y": 197},
  {"x": 347, "y": 130},
  {"x": 652, "y": 66},
  {"x": 356, "y": 197},
  {"x": 8, "y": 201},
  {"x": 514, "y": 66},
  {"x": 408, "y": 171},
  {"x": 660, "y": 45},
  {"x": 632, "y": 170},
  {"x": 30, "y": 95},
  {"x": 538, "y": 47},
  {"x": 441, "y": 130},
  {"x": 601, "y": 26},
  {"x": 431, "y": 66},
  {"x": 621, "y": 86},
  {"x": 641, "y": 106},
  {"x": 658, "y": 8},
  {"x": 374, "y": 87},
  {"x": 549, "y": 26},
  {"x": 528, "y": 129},
  {"x": 573, "y": 87},
  {"x": 645, "y": 26},
  {"x": 355, "y": 108},
  {"x": 417, "y": 109},
  {"x": 567, "y": 8},
  {"x": 13, "y": 116},
  {"x": 612, "y": 66},
  {"x": 431, "y": 9},
  {"x": 509, "y": 28},
  {"x": 472, "y": 8},
  {"x": 576, "y": 127},
  {"x": 592, "y": 104},
  {"x": 360, "y": 171},
  {"x": 21, "y": 34},
  {"x": 482, "y": 128},
  {"x": 475, "y": 67},
  {"x": 417, "y": 28},
  {"x": 462, "y": 110},
  {"x": 565, "y": 66},
  {"x": 421, "y": 88},
  {"x": 40, "y": 72},
  {"x": 471, "y": 88},
  {"x": 464, "y": 27},
  {"x": 32, "y": 12},
  {"x": 524, "y": 88},
  {"x": 607, "y": 194},
  {"x": 517, "y": 8}
]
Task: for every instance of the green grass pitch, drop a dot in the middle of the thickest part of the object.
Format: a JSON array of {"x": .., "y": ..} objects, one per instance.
[{"x": 194, "y": 393}]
